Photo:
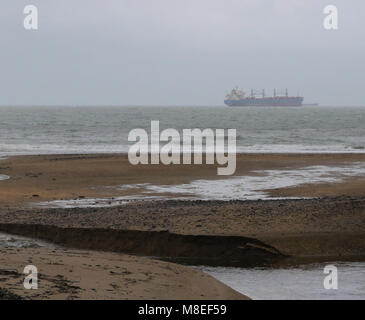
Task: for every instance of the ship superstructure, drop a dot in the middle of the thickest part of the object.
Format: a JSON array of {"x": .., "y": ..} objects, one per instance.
[{"x": 238, "y": 98}]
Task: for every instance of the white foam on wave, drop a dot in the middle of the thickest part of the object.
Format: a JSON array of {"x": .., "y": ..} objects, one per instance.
[
  {"x": 44, "y": 149},
  {"x": 300, "y": 149}
]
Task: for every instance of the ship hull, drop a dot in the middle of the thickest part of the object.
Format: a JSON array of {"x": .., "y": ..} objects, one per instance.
[{"x": 266, "y": 102}]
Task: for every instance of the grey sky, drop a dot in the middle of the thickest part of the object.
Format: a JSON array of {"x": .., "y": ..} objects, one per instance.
[{"x": 179, "y": 52}]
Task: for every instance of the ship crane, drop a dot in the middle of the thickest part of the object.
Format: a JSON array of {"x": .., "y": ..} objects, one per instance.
[
  {"x": 281, "y": 93},
  {"x": 257, "y": 92}
]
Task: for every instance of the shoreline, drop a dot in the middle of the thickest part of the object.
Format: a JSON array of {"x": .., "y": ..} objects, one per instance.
[{"x": 359, "y": 152}]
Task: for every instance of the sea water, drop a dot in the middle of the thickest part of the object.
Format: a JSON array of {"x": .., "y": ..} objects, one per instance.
[{"x": 82, "y": 129}]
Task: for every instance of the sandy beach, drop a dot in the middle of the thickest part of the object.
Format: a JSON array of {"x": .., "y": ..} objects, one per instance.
[
  {"x": 329, "y": 224},
  {"x": 71, "y": 274}
]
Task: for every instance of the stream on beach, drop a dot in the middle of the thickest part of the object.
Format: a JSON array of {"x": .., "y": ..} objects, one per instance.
[
  {"x": 299, "y": 283},
  {"x": 13, "y": 241},
  {"x": 304, "y": 282}
]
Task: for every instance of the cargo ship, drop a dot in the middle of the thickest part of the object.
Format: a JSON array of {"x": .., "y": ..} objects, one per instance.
[{"x": 238, "y": 98}]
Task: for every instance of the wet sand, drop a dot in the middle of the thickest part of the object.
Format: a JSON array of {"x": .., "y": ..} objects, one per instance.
[{"x": 55, "y": 177}]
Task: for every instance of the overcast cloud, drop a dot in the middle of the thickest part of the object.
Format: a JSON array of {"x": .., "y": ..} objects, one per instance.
[{"x": 179, "y": 52}]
